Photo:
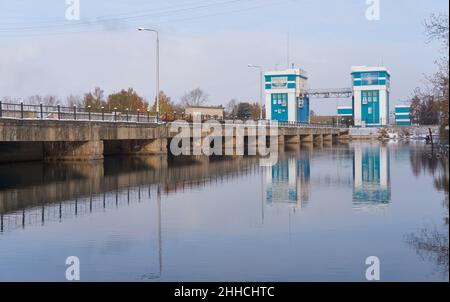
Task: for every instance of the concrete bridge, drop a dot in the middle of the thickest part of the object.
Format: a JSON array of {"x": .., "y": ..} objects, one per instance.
[{"x": 73, "y": 140}]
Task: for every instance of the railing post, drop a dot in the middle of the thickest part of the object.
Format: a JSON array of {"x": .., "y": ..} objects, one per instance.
[
  {"x": 115, "y": 114},
  {"x": 89, "y": 112},
  {"x": 103, "y": 113},
  {"x": 127, "y": 114},
  {"x": 148, "y": 116},
  {"x": 138, "y": 115},
  {"x": 1, "y": 109},
  {"x": 59, "y": 112},
  {"x": 42, "y": 111},
  {"x": 21, "y": 110},
  {"x": 74, "y": 112}
]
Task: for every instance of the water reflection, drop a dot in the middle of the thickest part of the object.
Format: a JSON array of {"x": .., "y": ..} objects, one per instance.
[
  {"x": 210, "y": 215},
  {"x": 66, "y": 190},
  {"x": 287, "y": 182},
  {"x": 431, "y": 241},
  {"x": 371, "y": 176}
]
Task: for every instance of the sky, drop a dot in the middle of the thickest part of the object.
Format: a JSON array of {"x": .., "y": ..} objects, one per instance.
[{"x": 208, "y": 44}]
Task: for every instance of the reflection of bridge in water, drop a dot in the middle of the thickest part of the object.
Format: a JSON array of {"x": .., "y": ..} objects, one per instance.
[
  {"x": 56, "y": 212},
  {"x": 36, "y": 193}
]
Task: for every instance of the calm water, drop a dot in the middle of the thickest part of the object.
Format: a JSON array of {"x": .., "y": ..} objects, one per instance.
[{"x": 316, "y": 216}]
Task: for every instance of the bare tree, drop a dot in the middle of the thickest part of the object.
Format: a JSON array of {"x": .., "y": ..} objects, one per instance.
[
  {"x": 74, "y": 100},
  {"x": 51, "y": 100},
  {"x": 437, "y": 28},
  {"x": 430, "y": 105},
  {"x": 98, "y": 93},
  {"x": 196, "y": 97},
  {"x": 35, "y": 99},
  {"x": 231, "y": 108},
  {"x": 48, "y": 100}
]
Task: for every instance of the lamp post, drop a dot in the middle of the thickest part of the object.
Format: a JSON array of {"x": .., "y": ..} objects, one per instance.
[
  {"x": 157, "y": 67},
  {"x": 260, "y": 86}
]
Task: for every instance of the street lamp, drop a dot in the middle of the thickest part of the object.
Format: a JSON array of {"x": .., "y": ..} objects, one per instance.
[
  {"x": 260, "y": 88},
  {"x": 157, "y": 68}
]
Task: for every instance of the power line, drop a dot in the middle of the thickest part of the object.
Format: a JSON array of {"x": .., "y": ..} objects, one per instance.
[
  {"x": 107, "y": 19},
  {"x": 174, "y": 20}
]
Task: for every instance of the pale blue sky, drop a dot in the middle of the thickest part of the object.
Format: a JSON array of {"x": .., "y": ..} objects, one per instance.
[{"x": 208, "y": 43}]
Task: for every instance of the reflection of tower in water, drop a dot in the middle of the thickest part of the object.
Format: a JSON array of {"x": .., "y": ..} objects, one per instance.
[
  {"x": 371, "y": 176},
  {"x": 287, "y": 182}
]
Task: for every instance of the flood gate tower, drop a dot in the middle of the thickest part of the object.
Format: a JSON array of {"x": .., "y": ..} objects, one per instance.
[
  {"x": 285, "y": 96},
  {"x": 371, "y": 88}
]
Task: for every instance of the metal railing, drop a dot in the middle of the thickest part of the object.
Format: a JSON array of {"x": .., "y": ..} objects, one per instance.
[
  {"x": 302, "y": 125},
  {"x": 65, "y": 113}
]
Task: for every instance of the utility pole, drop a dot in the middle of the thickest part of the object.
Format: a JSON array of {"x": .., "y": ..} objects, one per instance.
[{"x": 157, "y": 68}]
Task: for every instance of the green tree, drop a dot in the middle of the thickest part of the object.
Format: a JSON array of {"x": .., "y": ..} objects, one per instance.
[
  {"x": 126, "y": 99},
  {"x": 244, "y": 111}
]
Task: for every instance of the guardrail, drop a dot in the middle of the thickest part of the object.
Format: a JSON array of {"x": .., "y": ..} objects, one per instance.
[
  {"x": 57, "y": 112},
  {"x": 65, "y": 113},
  {"x": 303, "y": 125}
]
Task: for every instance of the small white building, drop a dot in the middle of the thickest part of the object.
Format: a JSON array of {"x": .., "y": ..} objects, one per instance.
[{"x": 402, "y": 115}]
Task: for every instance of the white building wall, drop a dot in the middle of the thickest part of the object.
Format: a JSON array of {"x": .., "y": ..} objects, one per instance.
[
  {"x": 292, "y": 107},
  {"x": 357, "y": 104},
  {"x": 384, "y": 118},
  {"x": 268, "y": 106}
]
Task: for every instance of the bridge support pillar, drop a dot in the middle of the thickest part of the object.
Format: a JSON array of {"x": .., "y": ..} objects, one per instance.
[
  {"x": 292, "y": 139},
  {"x": 136, "y": 147},
  {"x": 154, "y": 146},
  {"x": 251, "y": 146},
  {"x": 327, "y": 137},
  {"x": 308, "y": 138},
  {"x": 335, "y": 138},
  {"x": 281, "y": 140},
  {"x": 73, "y": 151},
  {"x": 318, "y": 138}
]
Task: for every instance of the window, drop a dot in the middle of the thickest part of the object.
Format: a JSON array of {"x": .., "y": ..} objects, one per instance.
[
  {"x": 364, "y": 100},
  {"x": 300, "y": 102},
  {"x": 369, "y": 110}
]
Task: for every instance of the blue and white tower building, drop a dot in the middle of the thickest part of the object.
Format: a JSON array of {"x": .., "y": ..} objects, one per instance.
[
  {"x": 371, "y": 88},
  {"x": 285, "y": 95}
]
